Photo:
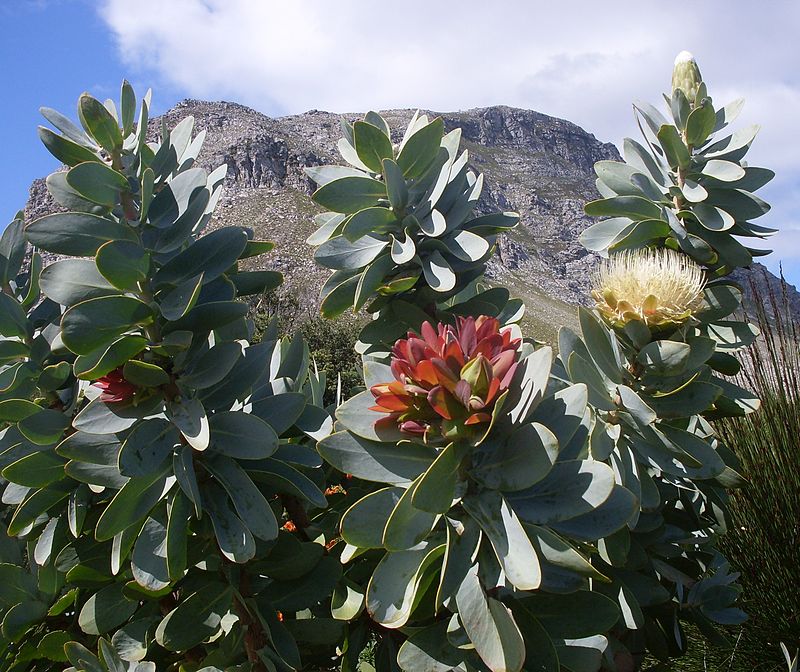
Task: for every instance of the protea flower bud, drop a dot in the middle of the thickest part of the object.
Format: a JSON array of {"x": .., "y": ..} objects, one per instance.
[
  {"x": 662, "y": 288},
  {"x": 686, "y": 75},
  {"x": 114, "y": 387},
  {"x": 447, "y": 380}
]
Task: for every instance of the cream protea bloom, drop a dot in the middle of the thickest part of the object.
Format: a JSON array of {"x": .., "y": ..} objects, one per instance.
[
  {"x": 662, "y": 288},
  {"x": 686, "y": 75}
]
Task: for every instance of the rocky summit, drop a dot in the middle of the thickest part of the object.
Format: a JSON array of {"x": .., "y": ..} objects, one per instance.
[{"x": 534, "y": 164}]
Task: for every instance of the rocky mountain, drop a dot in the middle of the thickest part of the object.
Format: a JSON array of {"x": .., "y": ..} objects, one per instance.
[{"x": 534, "y": 164}]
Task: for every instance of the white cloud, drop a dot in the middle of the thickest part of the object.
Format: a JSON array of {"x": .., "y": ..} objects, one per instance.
[{"x": 581, "y": 60}]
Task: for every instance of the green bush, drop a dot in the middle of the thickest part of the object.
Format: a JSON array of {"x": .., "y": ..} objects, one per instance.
[{"x": 177, "y": 497}]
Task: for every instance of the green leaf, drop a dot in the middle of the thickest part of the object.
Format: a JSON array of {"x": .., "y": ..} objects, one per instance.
[
  {"x": 131, "y": 504},
  {"x": 212, "y": 255},
  {"x": 71, "y": 281},
  {"x": 572, "y": 488},
  {"x": 102, "y": 361},
  {"x": 322, "y": 175},
  {"x": 396, "y": 187},
  {"x": 123, "y": 263},
  {"x": 98, "y": 417},
  {"x": 35, "y": 504},
  {"x": 700, "y": 124},
  {"x": 428, "y": 649},
  {"x": 554, "y": 550},
  {"x": 420, "y": 150},
  {"x": 435, "y": 489},
  {"x": 600, "y": 345},
  {"x": 633, "y": 403},
  {"x": 13, "y": 321},
  {"x": 20, "y": 618},
  {"x": 13, "y": 351},
  {"x": 189, "y": 416},
  {"x": 632, "y": 207},
  {"x": 178, "y": 515},
  {"x": 467, "y": 246},
  {"x": 511, "y": 544},
  {"x": 354, "y": 414},
  {"x": 212, "y": 366},
  {"x": 64, "y": 149},
  {"x": 375, "y": 220},
  {"x": 283, "y": 478},
  {"x": 664, "y": 358},
  {"x": 144, "y": 374},
  {"x": 731, "y": 334},
  {"x": 147, "y": 446},
  {"x": 517, "y": 461},
  {"x": 242, "y": 435},
  {"x": 694, "y": 398},
  {"x": 14, "y": 410},
  {"x": 676, "y": 151},
  {"x": 734, "y": 146},
  {"x": 99, "y": 123},
  {"x": 183, "y": 468},
  {"x": 376, "y": 461},
  {"x": 372, "y": 145},
  {"x": 407, "y": 526},
  {"x": 97, "y": 322},
  {"x": 127, "y": 107},
  {"x": 67, "y": 127},
  {"x": 350, "y": 194},
  {"x": 712, "y": 217},
  {"x": 338, "y": 293},
  {"x": 149, "y": 558},
  {"x": 394, "y": 584},
  {"x": 45, "y": 427},
  {"x": 255, "y": 282},
  {"x": 341, "y": 254},
  {"x": 36, "y": 470},
  {"x": 234, "y": 538},
  {"x": 249, "y": 502},
  {"x": 97, "y": 182},
  {"x": 196, "y": 618},
  {"x": 76, "y": 234},
  {"x": 438, "y": 273},
  {"x": 176, "y": 302},
  {"x": 363, "y": 523},
  {"x": 490, "y": 627},
  {"x": 725, "y": 171},
  {"x": 82, "y": 658},
  {"x": 105, "y": 610}
]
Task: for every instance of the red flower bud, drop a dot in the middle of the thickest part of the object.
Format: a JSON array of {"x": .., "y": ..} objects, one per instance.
[
  {"x": 114, "y": 387},
  {"x": 447, "y": 378}
]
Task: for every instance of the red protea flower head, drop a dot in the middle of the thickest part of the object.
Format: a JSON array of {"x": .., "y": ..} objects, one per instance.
[
  {"x": 448, "y": 379},
  {"x": 115, "y": 387}
]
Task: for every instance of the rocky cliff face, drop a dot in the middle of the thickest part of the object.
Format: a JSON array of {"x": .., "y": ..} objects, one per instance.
[{"x": 534, "y": 164}]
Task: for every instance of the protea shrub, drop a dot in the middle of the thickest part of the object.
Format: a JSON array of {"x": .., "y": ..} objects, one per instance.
[{"x": 448, "y": 379}]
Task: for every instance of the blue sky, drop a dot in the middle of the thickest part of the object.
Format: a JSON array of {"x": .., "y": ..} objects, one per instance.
[{"x": 579, "y": 59}]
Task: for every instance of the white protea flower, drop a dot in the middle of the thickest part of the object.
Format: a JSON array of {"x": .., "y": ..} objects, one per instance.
[
  {"x": 686, "y": 75},
  {"x": 661, "y": 288}
]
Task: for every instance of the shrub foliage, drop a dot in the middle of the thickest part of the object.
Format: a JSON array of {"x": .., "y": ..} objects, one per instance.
[{"x": 178, "y": 498}]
